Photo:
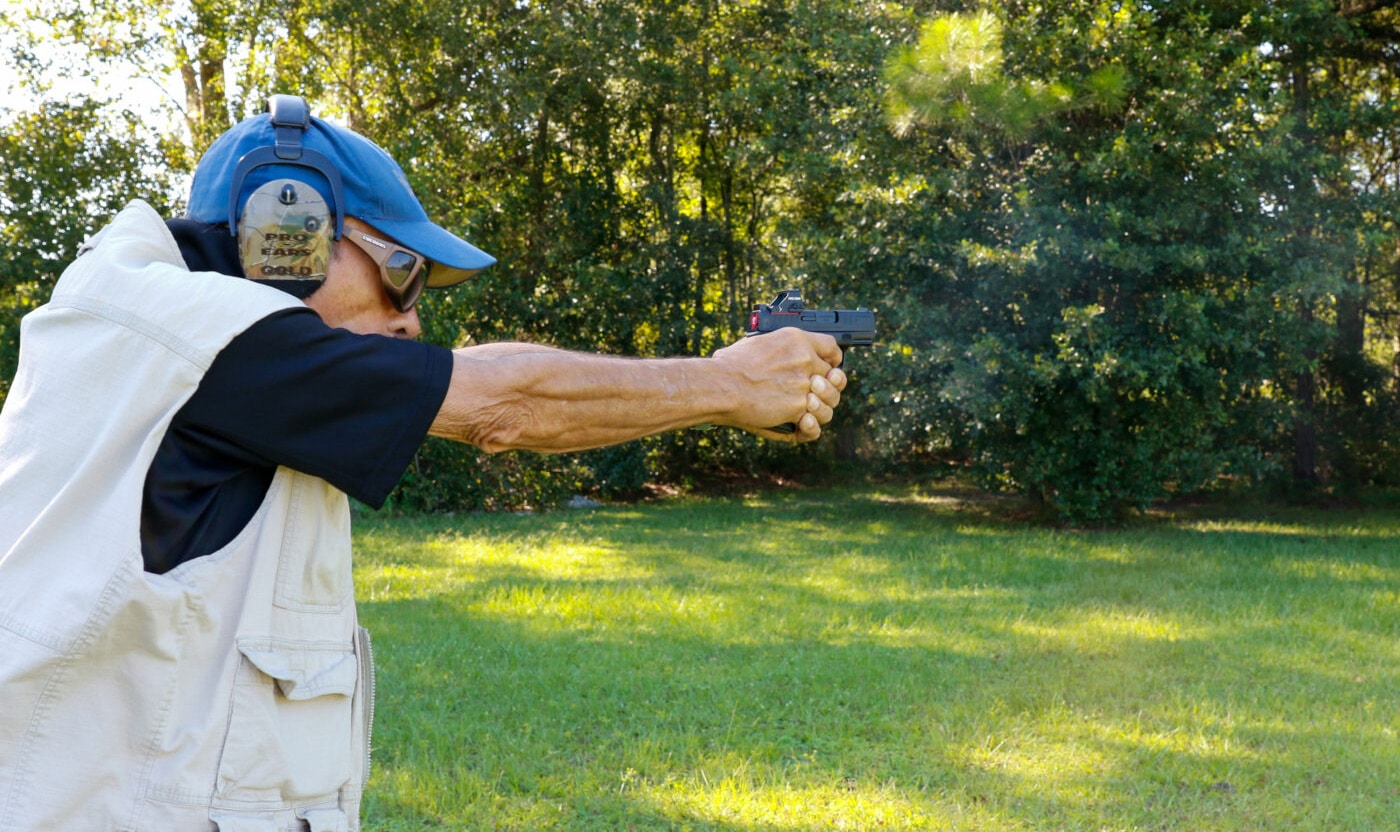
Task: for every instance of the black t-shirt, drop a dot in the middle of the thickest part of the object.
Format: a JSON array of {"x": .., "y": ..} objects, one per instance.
[{"x": 350, "y": 409}]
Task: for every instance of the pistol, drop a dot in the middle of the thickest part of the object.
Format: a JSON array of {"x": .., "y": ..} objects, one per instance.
[{"x": 850, "y": 327}]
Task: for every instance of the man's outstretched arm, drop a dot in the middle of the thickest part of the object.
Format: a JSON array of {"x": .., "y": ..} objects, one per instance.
[{"x": 528, "y": 397}]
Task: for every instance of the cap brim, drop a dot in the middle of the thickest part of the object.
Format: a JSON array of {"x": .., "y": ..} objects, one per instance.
[{"x": 454, "y": 259}]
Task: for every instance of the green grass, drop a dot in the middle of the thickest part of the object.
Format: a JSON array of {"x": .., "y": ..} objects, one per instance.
[{"x": 888, "y": 658}]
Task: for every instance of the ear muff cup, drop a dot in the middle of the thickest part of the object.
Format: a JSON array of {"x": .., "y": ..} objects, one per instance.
[{"x": 285, "y": 232}]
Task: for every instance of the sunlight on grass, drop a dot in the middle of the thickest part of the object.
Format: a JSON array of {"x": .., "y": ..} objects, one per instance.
[
  {"x": 1350, "y": 572},
  {"x": 901, "y": 660},
  {"x": 1105, "y": 630},
  {"x": 738, "y": 802},
  {"x": 1311, "y": 527}
]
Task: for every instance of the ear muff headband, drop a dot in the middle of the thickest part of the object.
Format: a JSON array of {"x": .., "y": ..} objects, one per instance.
[{"x": 291, "y": 117}]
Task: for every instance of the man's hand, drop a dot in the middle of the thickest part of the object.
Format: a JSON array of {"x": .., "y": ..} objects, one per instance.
[{"x": 794, "y": 377}]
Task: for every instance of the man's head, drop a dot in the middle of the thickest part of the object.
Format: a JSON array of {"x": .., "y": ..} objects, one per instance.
[
  {"x": 353, "y": 296},
  {"x": 286, "y": 183}
]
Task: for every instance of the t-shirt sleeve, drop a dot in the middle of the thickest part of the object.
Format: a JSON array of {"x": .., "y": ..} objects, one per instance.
[{"x": 350, "y": 409}]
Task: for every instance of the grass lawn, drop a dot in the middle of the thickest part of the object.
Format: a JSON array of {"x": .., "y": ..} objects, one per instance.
[{"x": 883, "y": 658}]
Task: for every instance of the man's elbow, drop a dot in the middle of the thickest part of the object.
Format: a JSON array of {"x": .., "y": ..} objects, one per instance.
[
  {"x": 506, "y": 429},
  {"x": 495, "y": 442}
]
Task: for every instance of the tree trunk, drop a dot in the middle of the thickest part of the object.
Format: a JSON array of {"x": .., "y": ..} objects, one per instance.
[{"x": 1305, "y": 422}]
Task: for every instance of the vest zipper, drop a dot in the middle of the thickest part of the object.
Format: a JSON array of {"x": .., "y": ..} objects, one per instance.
[{"x": 367, "y": 669}]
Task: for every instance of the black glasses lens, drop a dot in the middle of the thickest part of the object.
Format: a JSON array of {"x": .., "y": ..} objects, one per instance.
[{"x": 399, "y": 267}]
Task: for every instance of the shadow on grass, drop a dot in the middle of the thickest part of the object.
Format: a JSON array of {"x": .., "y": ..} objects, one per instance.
[{"x": 815, "y": 661}]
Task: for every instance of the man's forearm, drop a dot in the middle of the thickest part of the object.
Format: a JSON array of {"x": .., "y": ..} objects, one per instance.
[{"x": 528, "y": 397}]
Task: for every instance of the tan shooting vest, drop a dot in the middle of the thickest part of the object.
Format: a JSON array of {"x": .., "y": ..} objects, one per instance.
[{"x": 233, "y": 693}]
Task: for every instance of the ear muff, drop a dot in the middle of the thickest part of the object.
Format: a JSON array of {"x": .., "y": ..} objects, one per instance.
[
  {"x": 286, "y": 227},
  {"x": 285, "y": 232}
]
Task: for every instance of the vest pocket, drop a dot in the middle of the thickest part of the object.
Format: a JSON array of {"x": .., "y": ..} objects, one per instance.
[
  {"x": 291, "y": 726},
  {"x": 313, "y": 568}
]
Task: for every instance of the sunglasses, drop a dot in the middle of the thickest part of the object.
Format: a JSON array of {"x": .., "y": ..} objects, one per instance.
[{"x": 403, "y": 271}]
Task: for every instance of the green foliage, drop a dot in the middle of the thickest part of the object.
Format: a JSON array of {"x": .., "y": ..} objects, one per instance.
[
  {"x": 953, "y": 78},
  {"x": 64, "y": 171},
  {"x": 1129, "y": 297},
  {"x": 1114, "y": 417},
  {"x": 1119, "y": 251},
  {"x": 450, "y": 477}
]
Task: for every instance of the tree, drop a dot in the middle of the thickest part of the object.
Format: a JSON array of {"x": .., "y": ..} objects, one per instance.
[
  {"x": 1119, "y": 251},
  {"x": 64, "y": 171},
  {"x": 632, "y": 162},
  {"x": 1144, "y": 270}
]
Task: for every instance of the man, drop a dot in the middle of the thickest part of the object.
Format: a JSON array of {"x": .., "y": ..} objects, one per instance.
[{"x": 178, "y": 640}]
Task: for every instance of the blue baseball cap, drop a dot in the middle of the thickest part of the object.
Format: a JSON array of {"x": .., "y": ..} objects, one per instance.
[{"x": 372, "y": 185}]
